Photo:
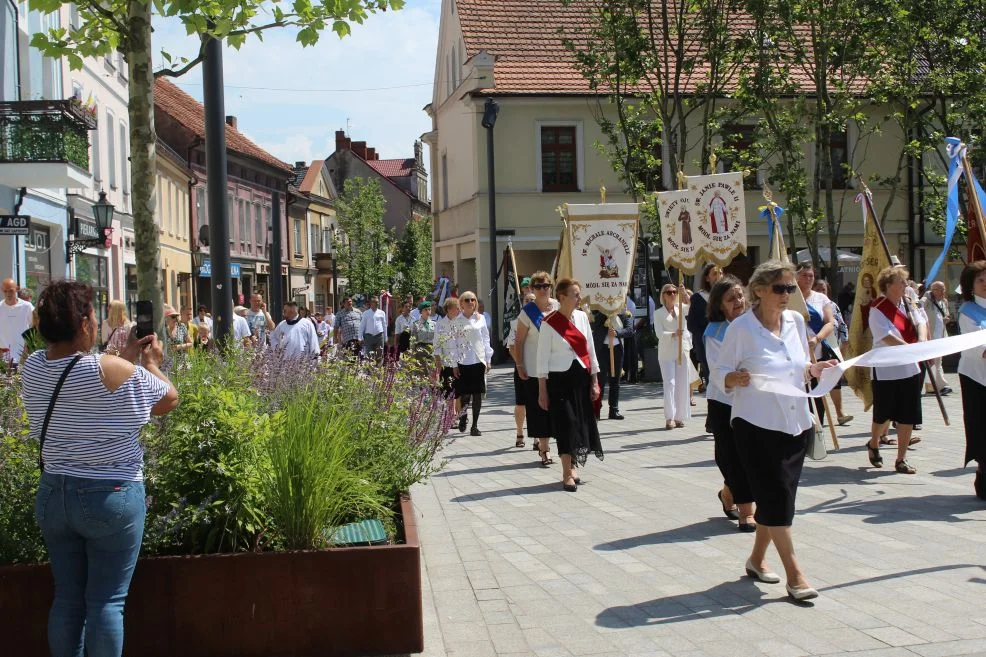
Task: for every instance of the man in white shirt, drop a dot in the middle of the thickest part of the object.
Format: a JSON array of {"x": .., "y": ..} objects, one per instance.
[
  {"x": 241, "y": 327},
  {"x": 259, "y": 320},
  {"x": 295, "y": 336},
  {"x": 936, "y": 309},
  {"x": 373, "y": 327},
  {"x": 15, "y": 318},
  {"x": 203, "y": 319}
]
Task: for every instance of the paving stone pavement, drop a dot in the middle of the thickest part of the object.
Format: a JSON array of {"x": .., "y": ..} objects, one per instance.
[{"x": 641, "y": 561}]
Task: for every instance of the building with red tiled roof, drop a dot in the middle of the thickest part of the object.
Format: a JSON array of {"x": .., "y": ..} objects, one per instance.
[
  {"x": 545, "y": 138},
  {"x": 253, "y": 176},
  {"x": 404, "y": 181}
]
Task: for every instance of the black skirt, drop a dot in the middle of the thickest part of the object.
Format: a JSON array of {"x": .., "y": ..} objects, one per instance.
[
  {"x": 974, "y": 416},
  {"x": 898, "y": 400},
  {"x": 538, "y": 419},
  {"x": 773, "y": 462},
  {"x": 727, "y": 458},
  {"x": 572, "y": 417},
  {"x": 472, "y": 380},
  {"x": 520, "y": 396}
]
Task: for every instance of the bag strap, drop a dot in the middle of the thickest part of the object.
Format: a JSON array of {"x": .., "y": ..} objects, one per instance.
[{"x": 51, "y": 408}]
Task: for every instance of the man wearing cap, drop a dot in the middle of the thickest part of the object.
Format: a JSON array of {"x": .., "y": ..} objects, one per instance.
[
  {"x": 241, "y": 327},
  {"x": 295, "y": 336}
]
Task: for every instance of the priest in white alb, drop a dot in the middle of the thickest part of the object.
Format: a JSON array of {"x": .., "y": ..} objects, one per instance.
[{"x": 294, "y": 337}]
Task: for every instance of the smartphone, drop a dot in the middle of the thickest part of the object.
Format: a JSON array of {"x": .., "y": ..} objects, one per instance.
[{"x": 145, "y": 319}]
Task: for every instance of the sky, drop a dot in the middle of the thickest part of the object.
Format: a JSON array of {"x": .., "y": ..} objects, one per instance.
[{"x": 290, "y": 100}]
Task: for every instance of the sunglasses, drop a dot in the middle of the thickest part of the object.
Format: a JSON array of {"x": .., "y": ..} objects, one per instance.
[
  {"x": 780, "y": 288},
  {"x": 542, "y": 286},
  {"x": 468, "y": 301},
  {"x": 671, "y": 292}
]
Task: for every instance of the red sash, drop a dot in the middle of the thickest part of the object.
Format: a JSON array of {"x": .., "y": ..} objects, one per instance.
[
  {"x": 572, "y": 335},
  {"x": 900, "y": 321}
]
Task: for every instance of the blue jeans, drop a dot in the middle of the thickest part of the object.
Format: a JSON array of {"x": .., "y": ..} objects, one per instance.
[{"x": 93, "y": 529}]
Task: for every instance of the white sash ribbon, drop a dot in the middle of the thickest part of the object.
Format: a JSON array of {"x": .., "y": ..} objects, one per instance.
[{"x": 904, "y": 354}]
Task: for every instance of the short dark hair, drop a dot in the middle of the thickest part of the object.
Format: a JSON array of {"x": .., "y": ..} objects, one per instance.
[
  {"x": 347, "y": 298},
  {"x": 62, "y": 308},
  {"x": 201, "y": 308},
  {"x": 291, "y": 303},
  {"x": 967, "y": 279},
  {"x": 804, "y": 266},
  {"x": 714, "y": 309}
]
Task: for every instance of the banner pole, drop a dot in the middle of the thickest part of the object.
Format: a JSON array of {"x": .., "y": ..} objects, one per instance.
[
  {"x": 513, "y": 261},
  {"x": 974, "y": 198},
  {"x": 910, "y": 311}
]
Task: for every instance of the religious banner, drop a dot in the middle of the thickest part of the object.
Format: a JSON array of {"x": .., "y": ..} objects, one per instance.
[
  {"x": 601, "y": 244},
  {"x": 860, "y": 339},
  {"x": 718, "y": 217},
  {"x": 678, "y": 235}
]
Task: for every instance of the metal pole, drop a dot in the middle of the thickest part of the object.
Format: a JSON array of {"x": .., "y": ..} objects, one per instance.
[
  {"x": 274, "y": 294},
  {"x": 217, "y": 183},
  {"x": 494, "y": 304}
]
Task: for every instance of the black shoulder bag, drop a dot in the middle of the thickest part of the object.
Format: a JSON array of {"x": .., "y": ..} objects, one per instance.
[{"x": 51, "y": 407}]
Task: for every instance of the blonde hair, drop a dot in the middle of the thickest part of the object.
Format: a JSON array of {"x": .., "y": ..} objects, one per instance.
[
  {"x": 765, "y": 274},
  {"x": 116, "y": 316},
  {"x": 889, "y": 275},
  {"x": 451, "y": 302},
  {"x": 541, "y": 277}
]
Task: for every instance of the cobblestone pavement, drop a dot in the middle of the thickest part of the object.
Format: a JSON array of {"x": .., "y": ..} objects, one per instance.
[{"x": 641, "y": 561}]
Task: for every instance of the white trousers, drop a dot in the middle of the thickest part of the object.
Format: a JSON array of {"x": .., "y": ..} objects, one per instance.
[{"x": 676, "y": 397}]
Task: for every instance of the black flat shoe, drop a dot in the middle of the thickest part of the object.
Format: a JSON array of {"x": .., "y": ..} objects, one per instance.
[
  {"x": 570, "y": 488},
  {"x": 747, "y": 527},
  {"x": 475, "y": 432},
  {"x": 980, "y": 485},
  {"x": 874, "y": 453},
  {"x": 732, "y": 514},
  {"x": 462, "y": 422},
  {"x": 615, "y": 415}
]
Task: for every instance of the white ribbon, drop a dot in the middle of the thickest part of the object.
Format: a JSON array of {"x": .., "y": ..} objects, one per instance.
[{"x": 904, "y": 354}]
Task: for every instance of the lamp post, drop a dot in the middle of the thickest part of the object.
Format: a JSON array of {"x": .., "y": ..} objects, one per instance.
[
  {"x": 102, "y": 212},
  {"x": 490, "y": 112}
]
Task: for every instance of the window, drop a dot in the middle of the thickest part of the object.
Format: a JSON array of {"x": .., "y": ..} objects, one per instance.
[
  {"x": 259, "y": 234},
  {"x": 739, "y": 139},
  {"x": 444, "y": 181},
  {"x": 95, "y": 162},
  {"x": 8, "y": 50},
  {"x": 455, "y": 67},
  {"x": 76, "y": 91},
  {"x": 52, "y": 74},
  {"x": 840, "y": 159},
  {"x": 201, "y": 211},
  {"x": 122, "y": 66},
  {"x": 111, "y": 148},
  {"x": 326, "y": 240},
  {"x": 231, "y": 211},
  {"x": 124, "y": 159},
  {"x": 559, "y": 159},
  {"x": 174, "y": 211},
  {"x": 158, "y": 210},
  {"x": 243, "y": 224},
  {"x": 299, "y": 233},
  {"x": 73, "y": 16}
]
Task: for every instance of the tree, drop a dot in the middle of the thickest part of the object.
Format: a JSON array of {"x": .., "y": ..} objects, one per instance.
[
  {"x": 413, "y": 261},
  {"x": 106, "y": 26},
  {"x": 364, "y": 244}
]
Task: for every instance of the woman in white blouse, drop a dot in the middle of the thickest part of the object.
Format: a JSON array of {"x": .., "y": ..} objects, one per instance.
[
  {"x": 567, "y": 385},
  {"x": 771, "y": 430},
  {"x": 972, "y": 370},
  {"x": 474, "y": 353},
  {"x": 674, "y": 369}
]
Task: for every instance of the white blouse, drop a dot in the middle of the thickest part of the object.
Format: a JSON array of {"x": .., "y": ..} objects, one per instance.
[
  {"x": 473, "y": 338},
  {"x": 748, "y": 345},
  {"x": 713, "y": 347},
  {"x": 881, "y": 327},
  {"x": 531, "y": 339},
  {"x": 818, "y": 302},
  {"x": 664, "y": 326},
  {"x": 972, "y": 362},
  {"x": 554, "y": 352}
]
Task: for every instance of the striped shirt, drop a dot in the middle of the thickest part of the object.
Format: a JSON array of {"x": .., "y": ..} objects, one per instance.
[
  {"x": 348, "y": 322},
  {"x": 93, "y": 433}
]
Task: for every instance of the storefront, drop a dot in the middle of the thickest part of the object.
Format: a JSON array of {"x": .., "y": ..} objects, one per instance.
[
  {"x": 37, "y": 258},
  {"x": 204, "y": 282},
  {"x": 94, "y": 271}
]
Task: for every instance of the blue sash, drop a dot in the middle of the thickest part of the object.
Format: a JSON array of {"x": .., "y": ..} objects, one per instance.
[
  {"x": 815, "y": 319},
  {"x": 715, "y": 331},
  {"x": 534, "y": 314},
  {"x": 975, "y": 312}
]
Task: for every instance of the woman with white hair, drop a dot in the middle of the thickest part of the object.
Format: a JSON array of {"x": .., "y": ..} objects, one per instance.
[{"x": 674, "y": 343}]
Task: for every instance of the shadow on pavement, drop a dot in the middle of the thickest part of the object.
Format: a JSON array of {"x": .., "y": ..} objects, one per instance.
[
  {"x": 825, "y": 475},
  {"x": 954, "y": 472},
  {"x": 553, "y": 487},
  {"x": 699, "y": 531},
  {"x": 946, "y": 508},
  {"x": 533, "y": 463}
]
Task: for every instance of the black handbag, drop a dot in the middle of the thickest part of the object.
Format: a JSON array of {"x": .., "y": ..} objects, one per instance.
[{"x": 51, "y": 407}]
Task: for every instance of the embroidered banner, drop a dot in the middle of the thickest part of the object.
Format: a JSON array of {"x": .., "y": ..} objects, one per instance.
[
  {"x": 601, "y": 243},
  {"x": 719, "y": 216},
  {"x": 678, "y": 232}
]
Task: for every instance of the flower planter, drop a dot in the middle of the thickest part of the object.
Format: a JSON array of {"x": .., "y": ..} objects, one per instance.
[{"x": 343, "y": 601}]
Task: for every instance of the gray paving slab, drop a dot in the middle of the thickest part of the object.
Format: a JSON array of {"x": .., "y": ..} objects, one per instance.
[{"x": 641, "y": 561}]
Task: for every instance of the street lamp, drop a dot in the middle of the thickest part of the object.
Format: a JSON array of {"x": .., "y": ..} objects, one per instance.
[
  {"x": 490, "y": 111},
  {"x": 102, "y": 212}
]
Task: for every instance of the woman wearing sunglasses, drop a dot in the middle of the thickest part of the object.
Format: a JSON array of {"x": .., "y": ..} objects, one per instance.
[
  {"x": 474, "y": 355},
  {"x": 674, "y": 370},
  {"x": 770, "y": 430}
]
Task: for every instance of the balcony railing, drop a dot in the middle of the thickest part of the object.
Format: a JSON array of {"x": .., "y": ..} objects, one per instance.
[{"x": 45, "y": 131}]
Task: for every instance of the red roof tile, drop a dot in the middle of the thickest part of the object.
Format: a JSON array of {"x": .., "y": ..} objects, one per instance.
[
  {"x": 393, "y": 168},
  {"x": 189, "y": 112}
]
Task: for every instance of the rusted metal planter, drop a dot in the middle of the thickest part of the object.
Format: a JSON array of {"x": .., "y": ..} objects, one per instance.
[{"x": 338, "y": 602}]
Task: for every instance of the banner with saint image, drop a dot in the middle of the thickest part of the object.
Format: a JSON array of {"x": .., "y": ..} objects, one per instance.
[
  {"x": 718, "y": 218},
  {"x": 602, "y": 245},
  {"x": 678, "y": 234}
]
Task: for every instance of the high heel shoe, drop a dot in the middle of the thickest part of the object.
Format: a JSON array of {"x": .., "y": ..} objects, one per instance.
[
  {"x": 874, "y": 453},
  {"x": 569, "y": 488},
  {"x": 801, "y": 594},
  {"x": 765, "y": 576}
]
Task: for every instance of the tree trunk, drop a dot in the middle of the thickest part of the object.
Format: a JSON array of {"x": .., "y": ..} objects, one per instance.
[{"x": 143, "y": 154}]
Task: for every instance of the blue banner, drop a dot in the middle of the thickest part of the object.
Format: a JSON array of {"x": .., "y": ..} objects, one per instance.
[
  {"x": 205, "y": 271},
  {"x": 955, "y": 149}
]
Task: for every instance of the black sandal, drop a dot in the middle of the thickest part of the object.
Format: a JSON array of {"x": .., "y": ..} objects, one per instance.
[
  {"x": 520, "y": 441},
  {"x": 874, "y": 453},
  {"x": 545, "y": 459},
  {"x": 903, "y": 468}
]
